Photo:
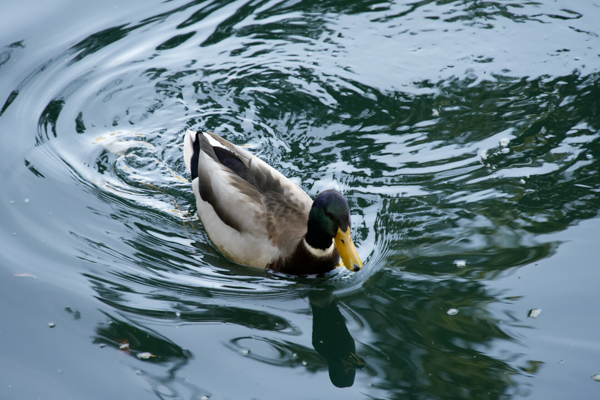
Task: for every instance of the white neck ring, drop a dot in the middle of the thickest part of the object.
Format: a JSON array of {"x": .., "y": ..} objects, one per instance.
[{"x": 318, "y": 252}]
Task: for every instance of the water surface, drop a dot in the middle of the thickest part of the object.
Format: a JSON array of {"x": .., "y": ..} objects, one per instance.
[{"x": 465, "y": 136}]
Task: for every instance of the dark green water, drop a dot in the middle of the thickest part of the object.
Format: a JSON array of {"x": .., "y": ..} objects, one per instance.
[{"x": 466, "y": 136}]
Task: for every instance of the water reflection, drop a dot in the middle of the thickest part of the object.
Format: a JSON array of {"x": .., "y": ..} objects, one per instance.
[
  {"x": 416, "y": 348},
  {"x": 331, "y": 339},
  {"x": 135, "y": 340},
  {"x": 408, "y": 342}
]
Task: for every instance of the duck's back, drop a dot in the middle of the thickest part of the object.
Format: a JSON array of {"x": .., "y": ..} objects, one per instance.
[{"x": 251, "y": 212}]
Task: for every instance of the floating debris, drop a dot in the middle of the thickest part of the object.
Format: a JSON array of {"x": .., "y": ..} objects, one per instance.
[
  {"x": 51, "y": 325},
  {"x": 534, "y": 312},
  {"x": 124, "y": 346},
  {"x": 596, "y": 377},
  {"x": 204, "y": 398},
  {"x": 452, "y": 311},
  {"x": 178, "y": 314},
  {"x": 75, "y": 313},
  {"x": 504, "y": 142},
  {"x": 102, "y": 345},
  {"x": 460, "y": 263},
  {"x": 26, "y": 201},
  {"x": 304, "y": 363},
  {"x": 145, "y": 355},
  {"x": 379, "y": 6},
  {"x": 435, "y": 113},
  {"x": 522, "y": 181},
  {"x": 244, "y": 352},
  {"x": 484, "y": 154},
  {"x": 25, "y": 274}
]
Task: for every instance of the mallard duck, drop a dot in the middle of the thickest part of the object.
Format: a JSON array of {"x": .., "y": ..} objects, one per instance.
[{"x": 256, "y": 216}]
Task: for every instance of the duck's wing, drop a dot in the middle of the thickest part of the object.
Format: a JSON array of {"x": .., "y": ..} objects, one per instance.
[{"x": 251, "y": 212}]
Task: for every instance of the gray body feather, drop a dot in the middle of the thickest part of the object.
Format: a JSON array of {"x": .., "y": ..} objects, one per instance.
[{"x": 251, "y": 212}]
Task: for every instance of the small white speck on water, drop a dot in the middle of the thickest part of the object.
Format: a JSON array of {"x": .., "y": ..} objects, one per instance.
[
  {"x": 204, "y": 398},
  {"x": 304, "y": 363},
  {"x": 379, "y": 6},
  {"x": 178, "y": 314},
  {"x": 26, "y": 201},
  {"x": 534, "y": 312},
  {"x": 522, "y": 181},
  {"x": 145, "y": 356},
  {"x": 435, "y": 113},
  {"x": 484, "y": 154},
  {"x": 596, "y": 377},
  {"x": 452, "y": 311},
  {"x": 589, "y": 156},
  {"x": 26, "y": 274},
  {"x": 504, "y": 142},
  {"x": 244, "y": 352},
  {"x": 460, "y": 263},
  {"x": 51, "y": 325},
  {"x": 102, "y": 345}
]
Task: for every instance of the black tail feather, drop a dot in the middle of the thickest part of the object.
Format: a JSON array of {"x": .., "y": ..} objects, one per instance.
[{"x": 195, "y": 156}]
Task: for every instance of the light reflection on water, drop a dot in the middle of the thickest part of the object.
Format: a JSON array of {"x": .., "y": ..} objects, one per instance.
[{"x": 449, "y": 141}]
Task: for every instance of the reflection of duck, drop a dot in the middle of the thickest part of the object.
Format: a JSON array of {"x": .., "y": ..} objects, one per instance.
[
  {"x": 332, "y": 340},
  {"x": 256, "y": 216}
]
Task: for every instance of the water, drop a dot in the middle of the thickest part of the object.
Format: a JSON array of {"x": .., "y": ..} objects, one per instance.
[{"x": 465, "y": 136}]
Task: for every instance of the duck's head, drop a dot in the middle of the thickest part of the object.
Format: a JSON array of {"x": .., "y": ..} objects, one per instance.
[{"x": 329, "y": 219}]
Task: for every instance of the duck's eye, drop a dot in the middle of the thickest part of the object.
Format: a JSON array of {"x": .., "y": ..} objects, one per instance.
[{"x": 328, "y": 214}]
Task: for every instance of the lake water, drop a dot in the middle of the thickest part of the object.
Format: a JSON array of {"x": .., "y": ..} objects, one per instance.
[{"x": 465, "y": 135}]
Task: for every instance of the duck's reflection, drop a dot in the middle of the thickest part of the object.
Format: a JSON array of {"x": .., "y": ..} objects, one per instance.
[{"x": 331, "y": 339}]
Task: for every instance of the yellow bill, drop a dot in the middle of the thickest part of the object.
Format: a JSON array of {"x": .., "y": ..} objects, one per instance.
[{"x": 345, "y": 246}]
